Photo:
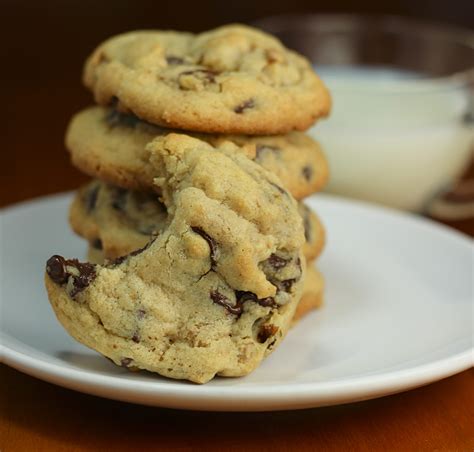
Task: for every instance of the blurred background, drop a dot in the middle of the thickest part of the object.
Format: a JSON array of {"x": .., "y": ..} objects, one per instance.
[{"x": 45, "y": 44}]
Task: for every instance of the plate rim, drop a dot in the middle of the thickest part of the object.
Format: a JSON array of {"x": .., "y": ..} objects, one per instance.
[{"x": 175, "y": 394}]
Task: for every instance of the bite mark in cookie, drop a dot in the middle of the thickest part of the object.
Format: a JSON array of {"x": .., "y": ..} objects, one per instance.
[
  {"x": 143, "y": 215},
  {"x": 196, "y": 322}
]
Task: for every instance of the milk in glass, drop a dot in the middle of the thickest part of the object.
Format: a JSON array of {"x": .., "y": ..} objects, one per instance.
[{"x": 394, "y": 137}]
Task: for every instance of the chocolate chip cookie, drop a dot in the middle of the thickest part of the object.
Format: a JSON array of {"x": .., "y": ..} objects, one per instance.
[
  {"x": 234, "y": 79},
  {"x": 112, "y": 146},
  {"x": 118, "y": 221},
  {"x": 214, "y": 292},
  {"x": 311, "y": 299}
]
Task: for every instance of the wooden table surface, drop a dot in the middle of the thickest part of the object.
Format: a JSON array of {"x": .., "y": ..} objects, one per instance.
[
  {"x": 42, "y": 92},
  {"x": 37, "y": 416}
]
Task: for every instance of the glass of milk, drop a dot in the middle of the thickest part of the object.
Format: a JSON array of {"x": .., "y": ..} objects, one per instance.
[{"x": 401, "y": 128}]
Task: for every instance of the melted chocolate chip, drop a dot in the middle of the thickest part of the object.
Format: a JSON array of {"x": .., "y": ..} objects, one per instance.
[
  {"x": 271, "y": 344},
  {"x": 286, "y": 285},
  {"x": 121, "y": 259},
  {"x": 58, "y": 271},
  {"x": 136, "y": 337},
  {"x": 277, "y": 262},
  {"x": 268, "y": 302},
  {"x": 206, "y": 74},
  {"x": 174, "y": 60},
  {"x": 307, "y": 172},
  {"x": 140, "y": 250},
  {"x": 91, "y": 198},
  {"x": 243, "y": 296},
  {"x": 119, "y": 199},
  {"x": 210, "y": 241},
  {"x": 266, "y": 331},
  {"x": 115, "y": 118},
  {"x": 114, "y": 101},
  {"x": 97, "y": 244},
  {"x": 261, "y": 148},
  {"x": 125, "y": 362},
  {"x": 246, "y": 105},
  {"x": 221, "y": 299}
]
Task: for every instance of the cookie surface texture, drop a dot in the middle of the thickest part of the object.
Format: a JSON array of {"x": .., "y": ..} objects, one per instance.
[
  {"x": 118, "y": 221},
  {"x": 233, "y": 79},
  {"x": 311, "y": 299},
  {"x": 214, "y": 293},
  {"x": 112, "y": 147}
]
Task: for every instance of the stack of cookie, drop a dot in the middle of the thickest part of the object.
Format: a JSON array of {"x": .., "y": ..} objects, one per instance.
[{"x": 196, "y": 164}]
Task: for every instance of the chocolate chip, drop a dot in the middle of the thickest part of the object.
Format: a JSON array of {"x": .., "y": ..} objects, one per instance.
[
  {"x": 118, "y": 260},
  {"x": 205, "y": 74},
  {"x": 243, "y": 296},
  {"x": 97, "y": 244},
  {"x": 261, "y": 148},
  {"x": 121, "y": 259},
  {"x": 271, "y": 344},
  {"x": 210, "y": 241},
  {"x": 267, "y": 302},
  {"x": 277, "y": 262},
  {"x": 246, "y": 105},
  {"x": 140, "y": 250},
  {"x": 307, "y": 172},
  {"x": 114, "y": 101},
  {"x": 172, "y": 60},
  {"x": 141, "y": 314},
  {"x": 58, "y": 271},
  {"x": 286, "y": 285},
  {"x": 115, "y": 118},
  {"x": 119, "y": 199},
  {"x": 221, "y": 299},
  {"x": 266, "y": 331},
  {"x": 91, "y": 198},
  {"x": 86, "y": 276},
  {"x": 125, "y": 362},
  {"x": 136, "y": 337}
]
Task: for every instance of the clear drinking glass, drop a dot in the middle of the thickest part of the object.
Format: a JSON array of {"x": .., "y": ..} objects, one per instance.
[{"x": 401, "y": 129}]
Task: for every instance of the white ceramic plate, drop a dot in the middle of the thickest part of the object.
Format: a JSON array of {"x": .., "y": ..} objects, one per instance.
[{"x": 398, "y": 314}]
